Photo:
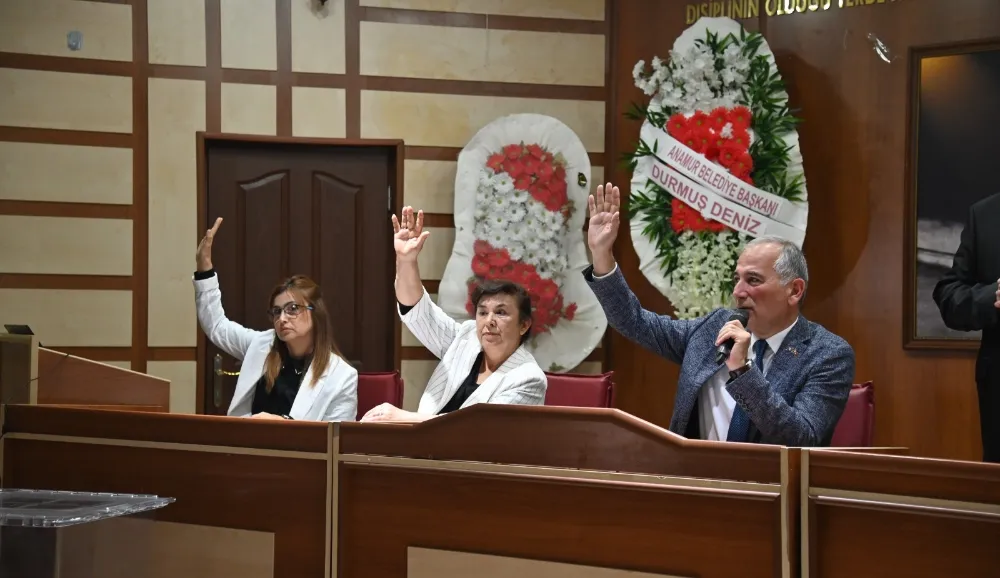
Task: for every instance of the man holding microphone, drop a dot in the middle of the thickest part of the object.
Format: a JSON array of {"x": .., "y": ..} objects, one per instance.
[{"x": 760, "y": 374}]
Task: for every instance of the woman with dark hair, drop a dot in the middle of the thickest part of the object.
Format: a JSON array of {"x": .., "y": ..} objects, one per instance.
[
  {"x": 293, "y": 371},
  {"x": 482, "y": 360}
]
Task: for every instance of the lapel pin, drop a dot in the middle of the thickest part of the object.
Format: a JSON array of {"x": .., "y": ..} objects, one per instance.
[{"x": 794, "y": 351}]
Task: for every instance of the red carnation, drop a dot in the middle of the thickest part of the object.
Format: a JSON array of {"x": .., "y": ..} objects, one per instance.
[
  {"x": 676, "y": 125},
  {"x": 740, "y": 117}
]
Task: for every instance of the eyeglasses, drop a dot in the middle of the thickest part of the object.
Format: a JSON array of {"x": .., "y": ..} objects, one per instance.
[{"x": 290, "y": 309}]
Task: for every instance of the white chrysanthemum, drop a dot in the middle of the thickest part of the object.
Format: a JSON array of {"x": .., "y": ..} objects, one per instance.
[
  {"x": 704, "y": 266},
  {"x": 519, "y": 196},
  {"x": 498, "y": 203},
  {"x": 516, "y": 213},
  {"x": 515, "y": 250},
  {"x": 503, "y": 184}
]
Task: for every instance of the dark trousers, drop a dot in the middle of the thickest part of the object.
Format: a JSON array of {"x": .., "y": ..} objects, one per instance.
[{"x": 989, "y": 415}]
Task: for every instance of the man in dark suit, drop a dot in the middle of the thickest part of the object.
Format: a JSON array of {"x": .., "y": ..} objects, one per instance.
[
  {"x": 969, "y": 299},
  {"x": 786, "y": 380}
]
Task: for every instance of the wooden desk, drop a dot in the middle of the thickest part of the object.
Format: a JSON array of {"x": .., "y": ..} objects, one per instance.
[
  {"x": 551, "y": 491},
  {"x": 253, "y": 496},
  {"x": 882, "y": 515}
]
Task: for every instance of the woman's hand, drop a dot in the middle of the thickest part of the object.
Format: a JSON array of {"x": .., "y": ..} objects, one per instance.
[
  {"x": 409, "y": 236},
  {"x": 265, "y": 415},
  {"x": 385, "y": 412},
  {"x": 203, "y": 257}
]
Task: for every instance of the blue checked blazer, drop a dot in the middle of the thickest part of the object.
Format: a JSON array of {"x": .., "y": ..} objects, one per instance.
[{"x": 798, "y": 404}]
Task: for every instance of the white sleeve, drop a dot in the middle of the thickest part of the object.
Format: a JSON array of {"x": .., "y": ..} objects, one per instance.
[
  {"x": 431, "y": 325},
  {"x": 344, "y": 403},
  {"x": 227, "y": 335}
]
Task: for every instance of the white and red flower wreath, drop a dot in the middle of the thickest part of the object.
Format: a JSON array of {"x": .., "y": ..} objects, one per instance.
[{"x": 520, "y": 204}]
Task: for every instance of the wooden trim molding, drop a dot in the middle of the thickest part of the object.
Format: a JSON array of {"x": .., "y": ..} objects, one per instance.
[
  {"x": 61, "y": 209},
  {"x": 65, "y": 137},
  {"x": 488, "y": 21},
  {"x": 140, "y": 185},
  {"x": 74, "y": 282}
]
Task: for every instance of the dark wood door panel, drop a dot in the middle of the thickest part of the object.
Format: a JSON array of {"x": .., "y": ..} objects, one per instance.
[{"x": 317, "y": 210}]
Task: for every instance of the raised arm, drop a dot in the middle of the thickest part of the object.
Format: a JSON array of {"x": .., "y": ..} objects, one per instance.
[
  {"x": 966, "y": 304},
  {"x": 428, "y": 322},
  {"x": 658, "y": 333},
  {"x": 227, "y": 335}
]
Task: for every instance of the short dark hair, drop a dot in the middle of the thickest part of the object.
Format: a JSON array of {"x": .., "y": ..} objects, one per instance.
[{"x": 492, "y": 287}]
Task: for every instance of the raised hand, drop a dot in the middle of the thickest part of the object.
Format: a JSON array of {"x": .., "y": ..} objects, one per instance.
[
  {"x": 604, "y": 220},
  {"x": 409, "y": 235},
  {"x": 203, "y": 257}
]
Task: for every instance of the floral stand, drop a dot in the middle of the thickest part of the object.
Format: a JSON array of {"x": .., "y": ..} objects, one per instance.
[{"x": 520, "y": 205}]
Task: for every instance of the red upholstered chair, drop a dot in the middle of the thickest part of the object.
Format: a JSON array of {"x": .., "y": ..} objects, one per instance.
[
  {"x": 378, "y": 387},
  {"x": 576, "y": 390},
  {"x": 856, "y": 428}
]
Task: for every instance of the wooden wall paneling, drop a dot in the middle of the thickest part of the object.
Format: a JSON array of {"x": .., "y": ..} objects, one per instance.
[{"x": 853, "y": 141}]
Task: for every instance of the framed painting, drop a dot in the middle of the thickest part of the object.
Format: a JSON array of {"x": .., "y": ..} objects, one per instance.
[{"x": 950, "y": 166}]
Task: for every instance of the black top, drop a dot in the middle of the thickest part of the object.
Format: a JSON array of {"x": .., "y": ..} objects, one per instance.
[
  {"x": 468, "y": 387},
  {"x": 286, "y": 386}
]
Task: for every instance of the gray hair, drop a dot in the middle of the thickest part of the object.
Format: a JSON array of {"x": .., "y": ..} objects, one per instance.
[{"x": 791, "y": 262}]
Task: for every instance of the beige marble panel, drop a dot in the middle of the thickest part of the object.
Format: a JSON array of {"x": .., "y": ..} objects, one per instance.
[
  {"x": 130, "y": 546},
  {"x": 41, "y": 26},
  {"x": 415, "y": 375},
  {"x": 176, "y": 32},
  {"x": 427, "y": 563},
  {"x": 318, "y": 37},
  {"x": 249, "y": 34},
  {"x": 571, "y": 9},
  {"x": 319, "y": 112},
  {"x": 434, "y": 256},
  {"x": 36, "y": 98},
  {"x": 176, "y": 112},
  {"x": 183, "y": 382},
  {"x": 71, "y": 318},
  {"x": 210, "y": 552},
  {"x": 65, "y": 173},
  {"x": 407, "y": 337},
  {"x": 430, "y": 185},
  {"x": 65, "y": 245},
  {"x": 451, "y": 53},
  {"x": 249, "y": 109},
  {"x": 451, "y": 120}
]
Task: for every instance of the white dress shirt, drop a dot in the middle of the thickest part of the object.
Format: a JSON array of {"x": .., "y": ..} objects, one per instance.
[{"x": 715, "y": 405}]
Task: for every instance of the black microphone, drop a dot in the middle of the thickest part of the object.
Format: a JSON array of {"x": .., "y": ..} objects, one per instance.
[{"x": 723, "y": 351}]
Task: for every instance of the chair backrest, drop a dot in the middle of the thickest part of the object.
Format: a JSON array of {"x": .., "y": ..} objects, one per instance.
[
  {"x": 856, "y": 427},
  {"x": 378, "y": 387},
  {"x": 576, "y": 390}
]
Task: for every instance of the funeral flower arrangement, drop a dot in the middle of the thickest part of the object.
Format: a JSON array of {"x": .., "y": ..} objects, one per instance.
[
  {"x": 718, "y": 162},
  {"x": 519, "y": 188},
  {"x": 522, "y": 211}
]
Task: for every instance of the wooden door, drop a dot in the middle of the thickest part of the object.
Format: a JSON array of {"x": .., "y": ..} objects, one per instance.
[{"x": 317, "y": 210}]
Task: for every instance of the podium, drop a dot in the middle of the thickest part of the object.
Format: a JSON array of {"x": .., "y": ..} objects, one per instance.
[
  {"x": 552, "y": 491},
  {"x": 492, "y": 490},
  {"x": 45, "y": 534},
  {"x": 30, "y": 374},
  {"x": 881, "y": 515}
]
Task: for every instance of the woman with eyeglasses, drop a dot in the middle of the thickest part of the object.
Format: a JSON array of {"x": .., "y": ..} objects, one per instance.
[{"x": 292, "y": 371}]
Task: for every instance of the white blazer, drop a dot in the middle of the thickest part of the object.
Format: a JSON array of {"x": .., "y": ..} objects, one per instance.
[
  {"x": 518, "y": 381},
  {"x": 333, "y": 398}
]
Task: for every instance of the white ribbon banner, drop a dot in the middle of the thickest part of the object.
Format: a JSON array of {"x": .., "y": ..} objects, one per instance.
[
  {"x": 717, "y": 179},
  {"x": 713, "y": 206}
]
